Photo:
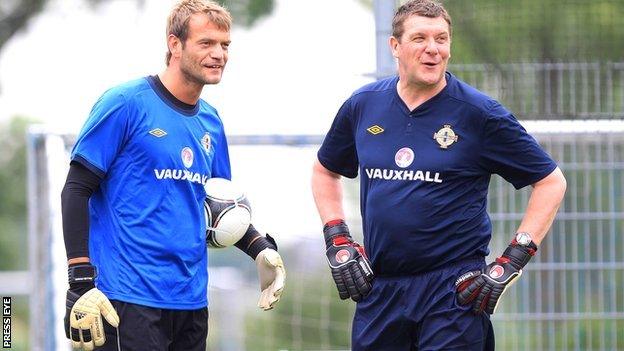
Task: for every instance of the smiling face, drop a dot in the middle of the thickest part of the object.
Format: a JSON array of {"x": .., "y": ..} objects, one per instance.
[
  {"x": 204, "y": 53},
  {"x": 423, "y": 51}
]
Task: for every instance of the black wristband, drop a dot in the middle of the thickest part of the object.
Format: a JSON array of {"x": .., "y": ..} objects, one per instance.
[
  {"x": 81, "y": 276},
  {"x": 334, "y": 229},
  {"x": 253, "y": 242},
  {"x": 260, "y": 244}
]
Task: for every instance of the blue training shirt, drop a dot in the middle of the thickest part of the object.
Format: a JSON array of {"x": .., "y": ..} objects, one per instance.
[
  {"x": 425, "y": 173},
  {"x": 147, "y": 231}
]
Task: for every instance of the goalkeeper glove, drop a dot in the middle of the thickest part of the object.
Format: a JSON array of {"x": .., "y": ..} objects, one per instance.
[
  {"x": 484, "y": 289},
  {"x": 272, "y": 276},
  {"x": 349, "y": 265},
  {"x": 85, "y": 306}
]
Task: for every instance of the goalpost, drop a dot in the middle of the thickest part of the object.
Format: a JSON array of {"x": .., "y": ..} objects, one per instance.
[{"x": 568, "y": 294}]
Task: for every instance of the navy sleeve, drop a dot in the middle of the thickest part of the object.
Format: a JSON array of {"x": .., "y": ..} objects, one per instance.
[
  {"x": 338, "y": 152},
  {"x": 103, "y": 134},
  {"x": 509, "y": 151}
]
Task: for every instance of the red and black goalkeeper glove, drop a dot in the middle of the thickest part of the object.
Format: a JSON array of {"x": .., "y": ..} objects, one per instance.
[
  {"x": 484, "y": 289},
  {"x": 349, "y": 265}
]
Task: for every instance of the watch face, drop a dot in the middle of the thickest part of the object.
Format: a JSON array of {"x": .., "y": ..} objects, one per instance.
[{"x": 523, "y": 239}]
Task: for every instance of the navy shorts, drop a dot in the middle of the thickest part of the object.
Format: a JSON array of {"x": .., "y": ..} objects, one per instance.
[
  {"x": 420, "y": 312},
  {"x": 145, "y": 328}
]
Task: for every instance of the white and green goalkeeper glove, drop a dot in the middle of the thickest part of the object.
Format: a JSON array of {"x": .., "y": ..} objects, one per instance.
[{"x": 272, "y": 276}]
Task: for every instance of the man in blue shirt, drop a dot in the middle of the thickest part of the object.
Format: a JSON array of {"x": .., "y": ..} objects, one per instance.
[
  {"x": 425, "y": 145},
  {"x": 132, "y": 204}
]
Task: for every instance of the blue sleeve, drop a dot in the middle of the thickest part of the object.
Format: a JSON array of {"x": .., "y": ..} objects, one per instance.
[
  {"x": 509, "y": 151},
  {"x": 338, "y": 152},
  {"x": 103, "y": 134},
  {"x": 221, "y": 162}
]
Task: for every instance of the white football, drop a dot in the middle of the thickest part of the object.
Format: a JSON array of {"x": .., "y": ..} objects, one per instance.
[{"x": 227, "y": 213}]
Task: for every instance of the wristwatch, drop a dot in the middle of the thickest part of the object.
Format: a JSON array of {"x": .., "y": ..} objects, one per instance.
[{"x": 525, "y": 239}]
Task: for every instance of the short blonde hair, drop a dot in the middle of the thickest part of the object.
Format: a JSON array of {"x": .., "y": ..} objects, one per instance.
[{"x": 178, "y": 21}]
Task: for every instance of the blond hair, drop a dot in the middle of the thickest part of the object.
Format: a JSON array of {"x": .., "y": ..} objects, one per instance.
[
  {"x": 424, "y": 8},
  {"x": 178, "y": 21}
]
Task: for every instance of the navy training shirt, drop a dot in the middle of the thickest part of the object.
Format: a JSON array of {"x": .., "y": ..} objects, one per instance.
[{"x": 425, "y": 173}]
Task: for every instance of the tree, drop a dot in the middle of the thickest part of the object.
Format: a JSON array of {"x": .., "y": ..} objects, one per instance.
[
  {"x": 14, "y": 15},
  {"x": 501, "y": 31},
  {"x": 13, "y": 238}
]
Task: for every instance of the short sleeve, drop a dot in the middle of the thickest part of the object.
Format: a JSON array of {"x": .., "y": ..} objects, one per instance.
[
  {"x": 103, "y": 134},
  {"x": 509, "y": 151},
  {"x": 221, "y": 162},
  {"x": 338, "y": 152}
]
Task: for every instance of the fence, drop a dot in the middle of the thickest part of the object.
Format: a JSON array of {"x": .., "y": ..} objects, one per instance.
[
  {"x": 570, "y": 297},
  {"x": 552, "y": 90}
]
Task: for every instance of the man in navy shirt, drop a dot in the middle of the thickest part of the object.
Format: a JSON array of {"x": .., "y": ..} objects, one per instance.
[
  {"x": 133, "y": 201},
  {"x": 425, "y": 145}
]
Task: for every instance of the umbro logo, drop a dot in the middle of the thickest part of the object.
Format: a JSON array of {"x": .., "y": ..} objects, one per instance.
[
  {"x": 159, "y": 133},
  {"x": 374, "y": 130},
  {"x": 79, "y": 315}
]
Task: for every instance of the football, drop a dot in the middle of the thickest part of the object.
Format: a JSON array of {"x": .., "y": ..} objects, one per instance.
[{"x": 227, "y": 213}]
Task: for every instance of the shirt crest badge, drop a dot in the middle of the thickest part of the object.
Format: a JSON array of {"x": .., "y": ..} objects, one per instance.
[
  {"x": 205, "y": 141},
  {"x": 445, "y": 136}
]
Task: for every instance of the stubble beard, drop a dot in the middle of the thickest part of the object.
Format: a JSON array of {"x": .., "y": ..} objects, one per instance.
[
  {"x": 421, "y": 80},
  {"x": 192, "y": 74}
]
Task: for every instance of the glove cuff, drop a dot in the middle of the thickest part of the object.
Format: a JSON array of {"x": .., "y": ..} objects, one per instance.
[
  {"x": 81, "y": 278},
  {"x": 263, "y": 242},
  {"x": 81, "y": 273},
  {"x": 253, "y": 242},
  {"x": 334, "y": 228},
  {"x": 520, "y": 255}
]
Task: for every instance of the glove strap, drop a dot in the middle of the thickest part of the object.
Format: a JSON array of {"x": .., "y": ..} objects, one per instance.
[
  {"x": 520, "y": 255},
  {"x": 253, "y": 242},
  {"x": 81, "y": 273},
  {"x": 335, "y": 228}
]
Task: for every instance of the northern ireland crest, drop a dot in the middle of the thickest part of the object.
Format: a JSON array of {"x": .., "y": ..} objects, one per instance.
[
  {"x": 445, "y": 136},
  {"x": 205, "y": 141}
]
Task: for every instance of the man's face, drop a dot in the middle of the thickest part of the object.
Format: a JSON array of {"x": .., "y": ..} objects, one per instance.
[
  {"x": 423, "y": 50},
  {"x": 205, "y": 52}
]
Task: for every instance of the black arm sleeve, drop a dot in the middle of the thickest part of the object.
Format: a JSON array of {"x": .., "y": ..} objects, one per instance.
[
  {"x": 253, "y": 242},
  {"x": 79, "y": 186}
]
